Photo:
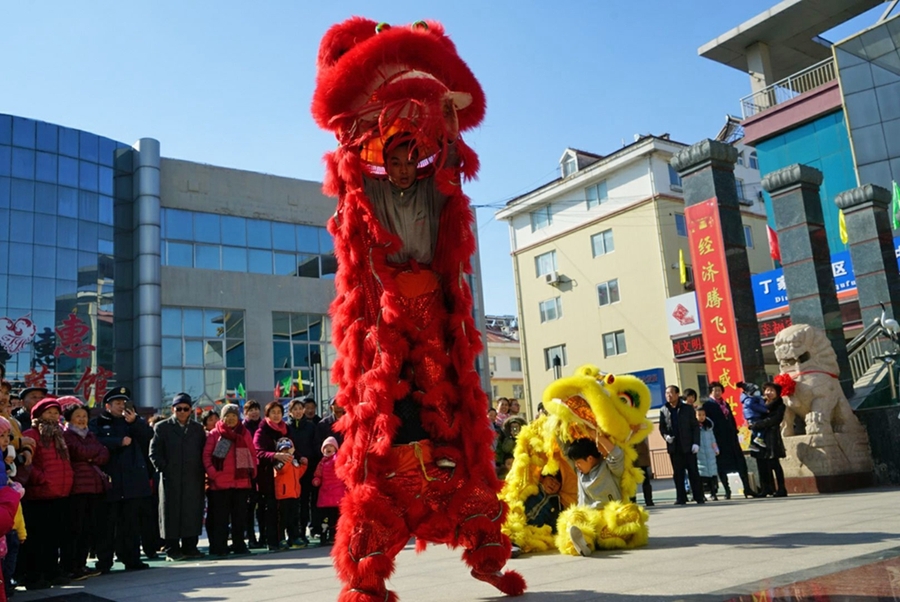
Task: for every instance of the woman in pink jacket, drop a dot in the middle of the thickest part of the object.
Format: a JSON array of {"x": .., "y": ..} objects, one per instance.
[
  {"x": 331, "y": 490},
  {"x": 230, "y": 461}
]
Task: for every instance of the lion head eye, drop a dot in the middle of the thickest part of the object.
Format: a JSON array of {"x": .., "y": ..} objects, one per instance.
[
  {"x": 626, "y": 399},
  {"x": 382, "y": 27},
  {"x": 420, "y": 25}
]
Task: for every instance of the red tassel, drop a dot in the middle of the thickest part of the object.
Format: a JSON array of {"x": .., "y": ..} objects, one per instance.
[{"x": 787, "y": 383}]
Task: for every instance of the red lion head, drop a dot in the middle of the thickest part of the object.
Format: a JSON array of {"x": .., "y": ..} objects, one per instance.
[{"x": 375, "y": 80}]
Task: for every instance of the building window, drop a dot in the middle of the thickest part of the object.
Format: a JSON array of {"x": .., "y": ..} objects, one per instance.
[
  {"x": 236, "y": 244},
  {"x": 608, "y": 292},
  {"x": 551, "y": 309},
  {"x": 203, "y": 352},
  {"x": 702, "y": 385},
  {"x": 550, "y": 355},
  {"x": 602, "y": 243},
  {"x": 518, "y": 391},
  {"x": 680, "y": 224},
  {"x": 748, "y": 237},
  {"x": 540, "y": 218},
  {"x": 688, "y": 278},
  {"x": 515, "y": 364},
  {"x": 545, "y": 263},
  {"x": 740, "y": 158},
  {"x": 614, "y": 343},
  {"x": 739, "y": 184},
  {"x": 492, "y": 360},
  {"x": 495, "y": 392},
  {"x": 753, "y": 162},
  {"x": 674, "y": 179},
  {"x": 596, "y": 195},
  {"x": 569, "y": 165},
  {"x": 303, "y": 355}
]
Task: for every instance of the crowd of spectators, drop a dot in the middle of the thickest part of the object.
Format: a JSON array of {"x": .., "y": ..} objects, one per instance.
[{"x": 112, "y": 486}]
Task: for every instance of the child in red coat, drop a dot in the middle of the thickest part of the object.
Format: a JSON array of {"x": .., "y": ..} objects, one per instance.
[
  {"x": 287, "y": 492},
  {"x": 331, "y": 490}
]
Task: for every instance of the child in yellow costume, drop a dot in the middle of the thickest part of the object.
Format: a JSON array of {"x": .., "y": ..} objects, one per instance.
[{"x": 607, "y": 410}]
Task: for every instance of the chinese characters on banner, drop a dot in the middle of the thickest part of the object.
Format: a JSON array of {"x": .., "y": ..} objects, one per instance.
[
  {"x": 70, "y": 339},
  {"x": 720, "y": 339}
]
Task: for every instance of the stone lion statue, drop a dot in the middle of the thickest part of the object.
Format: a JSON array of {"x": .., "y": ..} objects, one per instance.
[{"x": 809, "y": 378}]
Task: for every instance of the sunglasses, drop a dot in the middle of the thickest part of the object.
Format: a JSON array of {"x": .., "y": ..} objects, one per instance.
[{"x": 182, "y": 409}]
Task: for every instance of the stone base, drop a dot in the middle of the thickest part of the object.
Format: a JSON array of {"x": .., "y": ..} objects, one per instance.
[
  {"x": 828, "y": 484},
  {"x": 827, "y": 463}
]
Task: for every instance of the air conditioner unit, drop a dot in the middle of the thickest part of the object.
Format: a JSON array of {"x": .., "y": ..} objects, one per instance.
[{"x": 551, "y": 278}]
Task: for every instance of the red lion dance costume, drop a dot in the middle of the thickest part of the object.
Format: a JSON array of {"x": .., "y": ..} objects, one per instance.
[{"x": 417, "y": 454}]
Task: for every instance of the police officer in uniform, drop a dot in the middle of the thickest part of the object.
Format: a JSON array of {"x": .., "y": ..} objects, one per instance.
[{"x": 125, "y": 434}]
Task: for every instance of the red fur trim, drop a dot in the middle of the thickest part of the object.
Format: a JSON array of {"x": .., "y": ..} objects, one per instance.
[{"x": 376, "y": 337}]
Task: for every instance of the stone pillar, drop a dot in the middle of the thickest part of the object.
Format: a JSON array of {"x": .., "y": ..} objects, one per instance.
[
  {"x": 147, "y": 388},
  {"x": 872, "y": 250},
  {"x": 707, "y": 171},
  {"x": 806, "y": 258}
]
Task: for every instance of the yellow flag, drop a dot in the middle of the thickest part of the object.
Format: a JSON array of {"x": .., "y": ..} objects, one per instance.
[
  {"x": 842, "y": 226},
  {"x": 300, "y": 380},
  {"x": 682, "y": 268}
]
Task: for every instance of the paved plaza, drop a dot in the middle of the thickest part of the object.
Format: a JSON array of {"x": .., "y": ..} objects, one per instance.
[{"x": 814, "y": 547}]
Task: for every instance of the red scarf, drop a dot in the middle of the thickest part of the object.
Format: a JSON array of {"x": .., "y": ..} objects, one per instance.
[
  {"x": 279, "y": 426},
  {"x": 242, "y": 455}
]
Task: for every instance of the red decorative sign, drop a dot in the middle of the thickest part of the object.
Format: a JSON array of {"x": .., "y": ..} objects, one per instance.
[
  {"x": 98, "y": 381},
  {"x": 720, "y": 340},
  {"x": 15, "y": 334},
  {"x": 70, "y": 338},
  {"x": 37, "y": 378},
  {"x": 683, "y": 315}
]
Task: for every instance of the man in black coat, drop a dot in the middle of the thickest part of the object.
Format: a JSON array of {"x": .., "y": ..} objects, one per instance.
[
  {"x": 124, "y": 433},
  {"x": 177, "y": 454},
  {"x": 731, "y": 455},
  {"x": 302, "y": 422},
  {"x": 679, "y": 427}
]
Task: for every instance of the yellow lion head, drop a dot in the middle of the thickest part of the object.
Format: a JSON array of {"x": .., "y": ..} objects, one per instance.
[
  {"x": 589, "y": 402},
  {"x": 579, "y": 406}
]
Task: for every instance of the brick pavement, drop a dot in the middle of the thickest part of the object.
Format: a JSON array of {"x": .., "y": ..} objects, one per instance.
[{"x": 814, "y": 546}]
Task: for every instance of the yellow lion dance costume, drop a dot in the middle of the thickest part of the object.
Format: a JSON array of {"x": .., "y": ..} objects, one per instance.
[{"x": 584, "y": 405}]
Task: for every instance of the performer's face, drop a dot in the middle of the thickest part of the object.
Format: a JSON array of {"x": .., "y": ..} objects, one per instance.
[{"x": 401, "y": 167}]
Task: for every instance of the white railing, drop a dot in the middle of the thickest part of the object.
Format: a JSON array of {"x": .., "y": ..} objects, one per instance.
[{"x": 788, "y": 88}]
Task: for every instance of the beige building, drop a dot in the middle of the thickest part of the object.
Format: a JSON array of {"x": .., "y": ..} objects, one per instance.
[
  {"x": 505, "y": 359},
  {"x": 595, "y": 256}
]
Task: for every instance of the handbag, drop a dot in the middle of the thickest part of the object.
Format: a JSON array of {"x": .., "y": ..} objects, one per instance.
[
  {"x": 105, "y": 479},
  {"x": 221, "y": 448}
]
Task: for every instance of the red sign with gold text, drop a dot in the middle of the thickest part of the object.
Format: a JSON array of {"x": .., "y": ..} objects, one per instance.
[{"x": 720, "y": 339}]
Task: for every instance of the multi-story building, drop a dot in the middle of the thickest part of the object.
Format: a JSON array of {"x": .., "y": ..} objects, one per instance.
[
  {"x": 596, "y": 255},
  {"x": 160, "y": 274},
  {"x": 504, "y": 357},
  {"x": 835, "y": 107}
]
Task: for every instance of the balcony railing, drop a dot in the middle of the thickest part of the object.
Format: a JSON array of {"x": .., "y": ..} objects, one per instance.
[{"x": 788, "y": 88}]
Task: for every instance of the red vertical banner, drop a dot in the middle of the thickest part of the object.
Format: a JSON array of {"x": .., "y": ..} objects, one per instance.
[{"x": 720, "y": 338}]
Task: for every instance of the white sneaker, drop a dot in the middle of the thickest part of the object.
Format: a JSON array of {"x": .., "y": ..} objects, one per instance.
[{"x": 578, "y": 540}]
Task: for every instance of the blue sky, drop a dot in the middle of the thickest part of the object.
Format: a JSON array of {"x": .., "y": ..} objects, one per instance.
[{"x": 229, "y": 83}]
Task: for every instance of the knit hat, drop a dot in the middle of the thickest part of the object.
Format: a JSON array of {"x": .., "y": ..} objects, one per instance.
[
  {"x": 283, "y": 444},
  {"x": 230, "y": 408},
  {"x": 69, "y": 403},
  {"x": 330, "y": 441},
  {"x": 182, "y": 398},
  {"x": 5, "y": 426},
  {"x": 44, "y": 405}
]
